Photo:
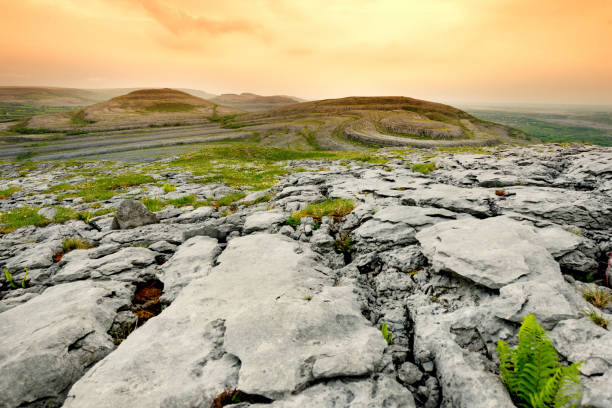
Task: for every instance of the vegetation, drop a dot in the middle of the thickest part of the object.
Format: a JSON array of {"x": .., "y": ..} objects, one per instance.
[
  {"x": 70, "y": 244},
  {"x": 229, "y": 199},
  {"x": 258, "y": 167},
  {"x": 26, "y": 155},
  {"x": 168, "y": 188},
  {"x": 344, "y": 244},
  {"x": 598, "y": 297},
  {"x": 21, "y": 217},
  {"x": 170, "y": 107},
  {"x": 386, "y": 333},
  {"x": 102, "y": 188},
  {"x": 78, "y": 118},
  {"x": 596, "y": 318},
  {"x": 532, "y": 371},
  {"x": 6, "y": 193},
  {"x": 336, "y": 208},
  {"x": 9, "y": 279},
  {"x": 555, "y": 127},
  {"x": 424, "y": 168},
  {"x": 154, "y": 204}
]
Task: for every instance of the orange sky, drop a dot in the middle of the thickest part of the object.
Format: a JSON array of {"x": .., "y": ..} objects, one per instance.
[{"x": 554, "y": 51}]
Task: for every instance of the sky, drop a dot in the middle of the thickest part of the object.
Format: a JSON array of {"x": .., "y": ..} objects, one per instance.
[{"x": 469, "y": 51}]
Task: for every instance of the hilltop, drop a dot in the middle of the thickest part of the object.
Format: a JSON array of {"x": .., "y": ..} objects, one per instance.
[
  {"x": 252, "y": 102},
  {"x": 141, "y": 108}
]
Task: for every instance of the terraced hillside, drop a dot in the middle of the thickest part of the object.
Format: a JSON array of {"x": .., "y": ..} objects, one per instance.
[{"x": 154, "y": 119}]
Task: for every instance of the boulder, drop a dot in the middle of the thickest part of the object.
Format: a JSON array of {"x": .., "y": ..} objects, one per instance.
[
  {"x": 132, "y": 213},
  {"x": 263, "y": 220}
]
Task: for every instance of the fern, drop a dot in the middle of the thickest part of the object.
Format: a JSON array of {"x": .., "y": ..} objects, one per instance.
[{"x": 532, "y": 371}]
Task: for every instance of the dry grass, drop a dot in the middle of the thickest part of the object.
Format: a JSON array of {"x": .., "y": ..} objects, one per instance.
[{"x": 598, "y": 297}]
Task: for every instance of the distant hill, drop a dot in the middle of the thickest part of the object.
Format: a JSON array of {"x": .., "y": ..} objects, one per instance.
[
  {"x": 50, "y": 96},
  {"x": 252, "y": 102},
  {"x": 378, "y": 121},
  {"x": 141, "y": 108}
]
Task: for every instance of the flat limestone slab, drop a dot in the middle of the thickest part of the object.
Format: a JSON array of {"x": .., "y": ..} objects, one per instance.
[
  {"x": 47, "y": 343},
  {"x": 265, "y": 320}
]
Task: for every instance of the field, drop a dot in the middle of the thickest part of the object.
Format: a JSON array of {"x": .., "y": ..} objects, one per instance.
[{"x": 554, "y": 124}]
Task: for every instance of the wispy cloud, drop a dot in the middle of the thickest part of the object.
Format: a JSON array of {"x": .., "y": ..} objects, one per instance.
[{"x": 179, "y": 21}]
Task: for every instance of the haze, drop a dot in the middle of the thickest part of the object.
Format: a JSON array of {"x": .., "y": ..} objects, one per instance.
[{"x": 550, "y": 51}]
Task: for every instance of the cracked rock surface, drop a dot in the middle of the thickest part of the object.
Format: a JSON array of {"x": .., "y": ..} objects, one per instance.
[{"x": 276, "y": 311}]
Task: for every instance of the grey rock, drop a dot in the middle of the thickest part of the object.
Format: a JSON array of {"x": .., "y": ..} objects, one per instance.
[
  {"x": 409, "y": 373},
  {"x": 80, "y": 266},
  {"x": 34, "y": 256},
  {"x": 131, "y": 213},
  {"x": 192, "y": 260},
  {"x": 199, "y": 214},
  {"x": 47, "y": 343},
  {"x": 48, "y": 212},
  {"x": 512, "y": 251},
  {"x": 226, "y": 329},
  {"x": 163, "y": 246},
  {"x": 263, "y": 220}
]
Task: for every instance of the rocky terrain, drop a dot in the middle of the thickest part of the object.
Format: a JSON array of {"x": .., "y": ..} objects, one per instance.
[{"x": 451, "y": 249}]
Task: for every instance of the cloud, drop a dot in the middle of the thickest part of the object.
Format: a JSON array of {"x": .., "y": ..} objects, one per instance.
[{"x": 179, "y": 21}]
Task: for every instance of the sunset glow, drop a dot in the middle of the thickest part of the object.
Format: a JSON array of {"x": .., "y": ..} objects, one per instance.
[{"x": 465, "y": 50}]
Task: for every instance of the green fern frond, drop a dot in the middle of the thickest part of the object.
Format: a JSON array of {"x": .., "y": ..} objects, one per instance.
[{"x": 532, "y": 372}]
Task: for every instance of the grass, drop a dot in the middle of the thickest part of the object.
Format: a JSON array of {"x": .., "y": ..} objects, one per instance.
[
  {"x": 229, "y": 199},
  {"x": 102, "y": 188},
  {"x": 78, "y": 118},
  {"x": 424, "y": 168},
  {"x": 597, "y": 297},
  {"x": 6, "y": 193},
  {"x": 70, "y": 244},
  {"x": 154, "y": 204},
  {"x": 257, "y": 167},
  {"x": 183, "y": 201},
  {"x": 336, "y": 208},
  {"x": 25, "y": 216},
  {"x": 596, "y": 318},
  {"x": 168, "y": 188}
]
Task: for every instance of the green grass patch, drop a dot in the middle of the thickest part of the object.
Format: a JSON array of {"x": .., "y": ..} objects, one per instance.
[
  {"x": 154, "y": 204},
  {"x": 6, "y": 193},
  {"x": 424, "y": 168},
  {"x": 230, "y": 199},
  {"x": 168, "y": 188},
  {"x": 259, "y": 167},
  {"x": 21, "y": 217},
  {"x": 183, "y": 201},
  {"x": 102, "y": 188},
  {"x": 336, "y": 208},
  {"x": 70, "y": 244}
]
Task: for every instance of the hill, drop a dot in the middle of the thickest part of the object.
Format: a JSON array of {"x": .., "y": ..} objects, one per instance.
[
  {"x": 377, "y": 121},
  {"x": 252, "y": 102},
  {"x": 141, "y": 108}
]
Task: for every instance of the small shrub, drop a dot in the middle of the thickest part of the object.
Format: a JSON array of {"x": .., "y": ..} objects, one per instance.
[
  {"x": 70, "y": 244},
  {"x": 308, "y": 298},
  {"x": 597, "y": 297},
  {"x": 424, "y": 168},
  {"x": 386, "y": 333},
  {"x": 344, "y": 244},
  {"x": 532, "y": 372},
  {"x": 597, "y": 318},
  {"x": 168, "y": 188}
]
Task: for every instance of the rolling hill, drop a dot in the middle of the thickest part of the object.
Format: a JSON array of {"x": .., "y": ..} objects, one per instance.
[
  {"x": 141, "y": 108},
  {"x": 252, "y": 102}
]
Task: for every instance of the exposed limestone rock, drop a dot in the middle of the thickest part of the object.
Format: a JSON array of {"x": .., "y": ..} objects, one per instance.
[{"x": 132, "y": 214}]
